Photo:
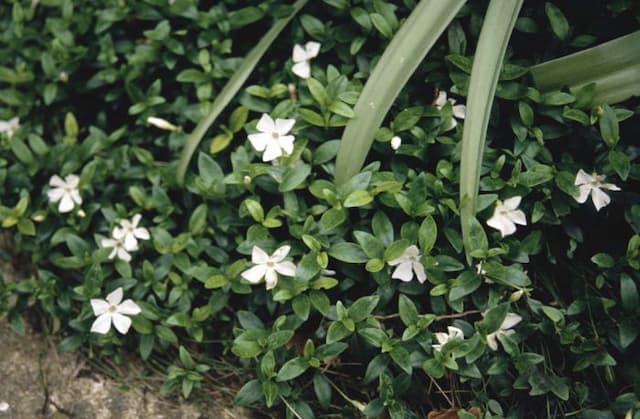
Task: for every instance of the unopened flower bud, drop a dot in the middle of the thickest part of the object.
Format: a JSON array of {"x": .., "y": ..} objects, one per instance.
[
  {"x": 63, "y": 76},
  {"x": 38, "y": 217},
  {"x": 161, "y": 123},
  {"x": 396, "y": 142},
  {"x": 247, "y": 180},
  {"x": 81, "y": 213},
  {"x": 515, "y": 296},
  {"x": 4, "y": 406}
]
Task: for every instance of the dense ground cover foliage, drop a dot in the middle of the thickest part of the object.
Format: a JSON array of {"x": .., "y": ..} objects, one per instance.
[{"x": 330, "y": 298}]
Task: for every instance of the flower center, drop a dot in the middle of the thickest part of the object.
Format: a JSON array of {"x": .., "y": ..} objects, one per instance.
[
  {"x": 112, "y": 309},
  {"x": 270, "y": 264},
  {"x": 275, "y": 135}
]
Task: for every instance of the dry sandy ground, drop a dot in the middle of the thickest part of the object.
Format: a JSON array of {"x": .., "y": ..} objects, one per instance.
[{"x": 37, "y": 382}]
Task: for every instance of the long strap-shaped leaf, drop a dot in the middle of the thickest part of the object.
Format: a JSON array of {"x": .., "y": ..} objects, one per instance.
[
  {"x": 487, "y": 62},
  {"x": 613, "y": 66},
  {"x": 231, "y": 88},
  {"x": 398, "y": 62}
]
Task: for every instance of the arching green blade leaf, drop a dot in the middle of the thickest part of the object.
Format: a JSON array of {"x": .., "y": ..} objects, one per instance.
[
  {"x": 400, "y": 59},
  {"x": 614, "y": 67},
  {"x": 487, "y": 62},
  {"x": 231, "y": 88}
]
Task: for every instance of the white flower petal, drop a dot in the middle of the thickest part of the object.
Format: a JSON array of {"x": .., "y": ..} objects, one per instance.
[
  {"x": 286, "y": 143},
  {"x": 75, "y": 195},
  {"x": 135, "y": 220},
  {"x": 254, "y": 274},
  {"x": 57, "y": 181},
  {"x": 599, "y": 198},
  {"x": 141, "y": 233},
  {"x": 102, "y": 324},
  {"x": 411, "y": 251},
  {"x": 518, "y": 217},
  {"x": 72, "y": 181},
  {"x": 492, "y": 342},
  {"x": 299, "y": 54},
  {"x": 118, "y": 234},
  {"x": 130, "y": 243},
  {"x": 610, "y": 186},
  {"x": 283, "y": 126},
  {"x": 510, "y": 320},
  {"x": 128, "y": 307},
  {"x": 99, "y": 306},
  {"x": 259, "y": 141},
  {"x": 583, "y": 193},
  {"x": 302, "y": 69},
  {"x": 583, "y": 178},
  {"x": 512, "y": 203},
  {"x": 460, "y": 111},
  {"x": 312, "y": 49},
  {"x": 259, "y": 256},
  {"x": 113, "y": 253},
  {"x": 280, "y": 253},
  {"x": 272, "y": 152},
  {"x": 403, "y": 272},
  {"x": 123, "y": 254},
  {"x": 55, "y": 194},
  {"x": 400, "y": 259},
  {"x": 441, "y": 99},
  {"x": 271, "y": 278},
  {"x": 121, "y": 323},
  {"x": 455, "y": 333},
  {"x": 502, "y": 223},
  {"x": 442, "y": 338},
  {"x": 66, "y": 203},
  {"x": 115, "y": 296},
  {"x": 419, "y": 270},
  {"x": 265, "y": 124},
  {"x": 286, "y": 268}
]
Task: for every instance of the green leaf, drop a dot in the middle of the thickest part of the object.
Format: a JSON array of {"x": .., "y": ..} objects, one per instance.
[
  {"x": 318, "y": 92},
  {"x": 70, "y": 344},
  {"x": 553, "y": 313},
  {"x": 407, "y": 310},
  {"x": 402, "y": 358},
  {"x": 249, "y": 394},
  {"x": 370, "y": 244},
  {"x": 381, "y": 25},
  {"x": 292, "y": 369},
  {"x": 559, "y": 24},
  {"x": 621, "y": 163},
  {"x": 336, "y": 332},
  {"x": 407, "y": 119},
  {"x": 607, "y": 73},
  {"x": 198, "y": 220},
  {"x": 358, "y": 199},
  {"x": 609, "y": 128},
  {"x": 363, "y": 307},
  {"x": 246, "y": 349},
  {"x": 465, "y": 284},
  {"x": 382, "y": 228},
  {"x": 396, "y": 249},
  {"x": 332, "y": 219},
  {"x": 427, "y": 234},
  {"x": 229, "y": 91},
  {"x": 603, "y": 260},
  {"x": 294, "y": 177},
  {"x": 477, "y": 237},
  {"x": 492, "y": 44},
  {"x": 322, "y": 389},
  {"x": 340, "y": 108},
  {"x": 348, "y": 252},
  {"x": 409, "y": 46},
  {"x": 629, "y": 294}
]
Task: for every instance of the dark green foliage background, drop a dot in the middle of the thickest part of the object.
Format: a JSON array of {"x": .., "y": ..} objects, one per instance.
[{"x": 83, "y": 76}]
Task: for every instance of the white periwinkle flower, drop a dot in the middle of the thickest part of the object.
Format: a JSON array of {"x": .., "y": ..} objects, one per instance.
[
  {"x": 407, "y": 264},
  {"x": 443, "y": 338},
  {"x": 396, "y": 142},
  {"x": 505, "y": 329},
  {"x": 119, "y": 248},
  {"x": 161, "y": 123},
  {"x": 302, "y": 57},
  {"x": 593, "y": 184},
  {"x": 112, "y": 310},
  {"x": 506, "y": 215},
  {"x": 269, "y": 267},
  {"x": 4, "y": 407},
  {"x": 459, "y": 111},
  {"x": 273, "y": 138},
  {"x": 129, "y": 233},
  {"x": 10, "y": 127},
  {"x": 66, "y": 191}
]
